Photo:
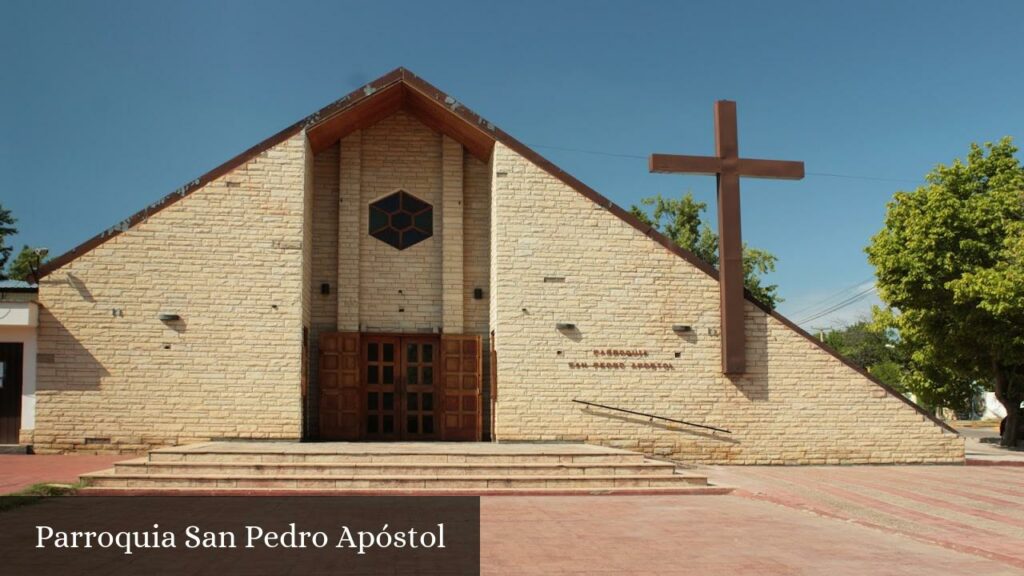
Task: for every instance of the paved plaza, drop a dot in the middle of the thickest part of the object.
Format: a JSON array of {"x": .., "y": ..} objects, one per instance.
[
  {"x": 19, "y": 471},
  {"x": 832, "y": 520}
]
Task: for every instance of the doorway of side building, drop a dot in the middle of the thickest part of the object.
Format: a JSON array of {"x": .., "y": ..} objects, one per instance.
[{"x": 10, "y": 391}]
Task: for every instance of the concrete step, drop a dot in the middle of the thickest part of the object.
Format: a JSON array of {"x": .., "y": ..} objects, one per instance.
[
  {"x": 393, "y": 468},
  {"x": 112, "y": 479},
  {"x": 371, "y": 455},
  {"x": 679, "y": 490},
  {"x": 347, "y": 468}
]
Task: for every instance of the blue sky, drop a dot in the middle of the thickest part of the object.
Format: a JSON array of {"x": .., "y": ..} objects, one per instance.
[{"x": 108, "y": 106}]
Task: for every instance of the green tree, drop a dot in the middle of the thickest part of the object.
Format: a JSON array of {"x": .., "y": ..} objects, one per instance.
[
  {"x": 26, "y": 263},
  {"x": 950, "y": 266},
  {"x": 871, "y": 347},
  {"x": 7, "y": 222},
  {"x": 875, "y": 345},
  {"x": 680, "y": 219}
]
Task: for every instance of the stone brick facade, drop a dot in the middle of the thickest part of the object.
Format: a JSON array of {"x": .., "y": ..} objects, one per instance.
[
  {"x": 476, "y": 257},
  {"x": 374, "y": 287},
  {"x": 278, "y": 248},
  {"x": 559, "y": 257},
  {"x": 452, "y": 233},
  {"x": 400, "y": 290},
  {"x": 228, "y": 259}
]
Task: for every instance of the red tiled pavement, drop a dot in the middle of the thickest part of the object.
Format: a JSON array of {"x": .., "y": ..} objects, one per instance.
[
  {"x": 781, "y": 520},
  {"x": 975, "y": 510},
  {"x": 21, "y": 471},
  {"x": 701, "y": 535}
]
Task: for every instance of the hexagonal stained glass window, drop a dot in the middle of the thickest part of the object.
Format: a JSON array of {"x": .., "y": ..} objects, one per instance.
[{"x": 401, "y": 220}]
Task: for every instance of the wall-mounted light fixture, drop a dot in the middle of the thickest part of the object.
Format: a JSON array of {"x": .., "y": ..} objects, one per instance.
[
  {"x": 325, "y": 288},
  {"x": 168, "y": 317},
  {"x": 682, "y": 328},
  {"x": 478, "y": 293},
  {"x": 565, "y": 326}
]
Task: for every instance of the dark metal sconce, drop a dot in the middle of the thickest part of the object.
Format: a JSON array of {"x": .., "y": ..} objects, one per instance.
[
  {"x": 565, "y": 326},
  {"x": 167, "y": 317},
  {"x": 682, "y": 328}
]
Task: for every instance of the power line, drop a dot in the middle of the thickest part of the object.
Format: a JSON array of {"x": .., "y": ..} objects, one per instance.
[
  {"x": 594, "y": 152},
  {"x": 827, "y": 313},
  {"x": 828, "y": 299},
  {"x": 848, "y": 302},
  {"x": 835, "y": 308},
  {"x": 875, "y": 178},
  {"x": 820, "y": 174}
]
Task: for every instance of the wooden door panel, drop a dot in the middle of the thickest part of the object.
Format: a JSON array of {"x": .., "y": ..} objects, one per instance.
[
  {"x": 419, "y": 388},
  {"x": 339, "y": 405},
  {"x": 382, "y": 367},
  {"x": 461, "y": 381}
]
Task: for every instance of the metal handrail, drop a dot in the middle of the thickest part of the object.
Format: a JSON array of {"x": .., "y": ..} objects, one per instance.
[{"x": 685, "y": 423}]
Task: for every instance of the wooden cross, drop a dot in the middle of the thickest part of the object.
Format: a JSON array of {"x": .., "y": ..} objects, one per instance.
[{"x": 728, "y": 167}]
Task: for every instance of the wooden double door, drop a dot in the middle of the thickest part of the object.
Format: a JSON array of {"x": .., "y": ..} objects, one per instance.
[{"x": 399, "y": 387}]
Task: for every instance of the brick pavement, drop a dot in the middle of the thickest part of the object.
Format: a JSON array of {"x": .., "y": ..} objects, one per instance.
[
  {"x": 976, "y": 510},
  {"x": 780, "y": 520},
  {"x": 840, "y": 520},
  {"x": 18, "y": 472}
]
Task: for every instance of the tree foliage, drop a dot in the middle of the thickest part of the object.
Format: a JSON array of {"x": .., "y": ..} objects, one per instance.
[
  {"x": 7, "y": 222},
  {"x": 950, "y": 266},
  {"x": 871, "y": 347},
  {"x": 875, "y": 345},
  {"x": 26, "y": 263},
  {"x": 681, "y": 220}
]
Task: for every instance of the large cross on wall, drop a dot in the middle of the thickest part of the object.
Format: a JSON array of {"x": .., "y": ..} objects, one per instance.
[{"x": 727, "y": 165}]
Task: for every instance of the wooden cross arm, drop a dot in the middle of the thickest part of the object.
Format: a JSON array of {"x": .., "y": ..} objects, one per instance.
[
  {"x": 779, "y": 169},
  {"x": 711, "y": 165},
  {"x": 677, "y": 163}
]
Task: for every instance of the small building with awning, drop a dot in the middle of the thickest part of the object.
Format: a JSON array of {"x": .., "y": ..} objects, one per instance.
[{"x": 19, "y": 317}]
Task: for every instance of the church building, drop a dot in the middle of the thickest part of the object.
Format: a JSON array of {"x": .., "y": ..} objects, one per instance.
[{"x": 394, "y": 267}]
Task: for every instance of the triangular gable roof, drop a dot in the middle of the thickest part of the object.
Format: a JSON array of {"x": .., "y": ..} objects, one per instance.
[
  {"x": 401, "y": 89},
  {"x": 398, "y": 89}
]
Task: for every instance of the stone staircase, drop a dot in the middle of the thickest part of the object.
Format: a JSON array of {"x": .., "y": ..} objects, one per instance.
[{"x": 394, "y": 468}]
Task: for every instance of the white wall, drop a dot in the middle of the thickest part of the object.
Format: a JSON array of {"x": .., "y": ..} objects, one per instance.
[{"x": 994, "y": 409}]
